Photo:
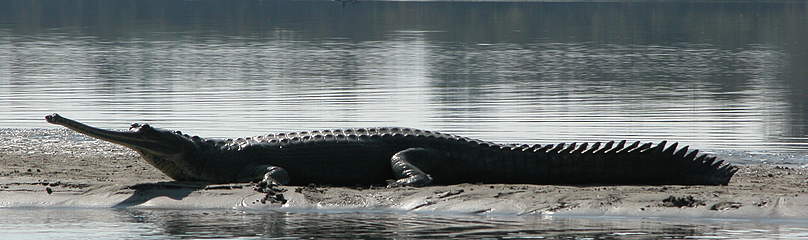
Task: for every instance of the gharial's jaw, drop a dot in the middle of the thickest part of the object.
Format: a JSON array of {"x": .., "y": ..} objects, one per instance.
[{"x": 139, "y": 138}]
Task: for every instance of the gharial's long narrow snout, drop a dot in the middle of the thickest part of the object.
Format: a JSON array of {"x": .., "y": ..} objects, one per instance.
[{"x": 142, "y": 138}]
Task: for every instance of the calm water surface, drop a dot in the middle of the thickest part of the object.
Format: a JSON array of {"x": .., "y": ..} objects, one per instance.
[
  {"x": 184, "y": 224},
  {"x": 717, "y": 75},
  {"x": 725, "y": 76}
]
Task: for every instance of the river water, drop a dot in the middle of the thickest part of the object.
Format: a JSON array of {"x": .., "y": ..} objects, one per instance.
[
  {"x": 221, "y": 224},
  {"x": 726, "y": 76}
]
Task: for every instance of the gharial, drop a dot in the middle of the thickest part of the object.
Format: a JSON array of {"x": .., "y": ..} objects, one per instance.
[{"x": 406, "y": 157}]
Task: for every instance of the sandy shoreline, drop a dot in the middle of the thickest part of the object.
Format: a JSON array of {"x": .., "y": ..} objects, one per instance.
[{"x": 57, "y": 168}]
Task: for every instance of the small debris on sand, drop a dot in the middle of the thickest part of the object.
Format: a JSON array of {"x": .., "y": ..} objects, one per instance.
[
  {"x": 688, "y": 201},
  {"x": 725, "y": 206},
  {"x": 310, "y": 188},
  {"x": 450, "y": 193}
]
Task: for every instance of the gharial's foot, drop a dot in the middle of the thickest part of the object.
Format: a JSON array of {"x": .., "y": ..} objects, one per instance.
[
  {"x": 273, "y": 177},
  {"x": 265, "y": 186},
  {"x": 406, "y": 167},
  {"x": 274, "y": 194},
  {"x": 413, "y": 181}
]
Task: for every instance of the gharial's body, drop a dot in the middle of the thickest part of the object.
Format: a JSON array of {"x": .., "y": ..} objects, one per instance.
[{"x": 410, "y": 157}]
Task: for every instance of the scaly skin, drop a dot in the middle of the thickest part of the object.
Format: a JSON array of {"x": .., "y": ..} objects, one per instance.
[{"x": 410, "y": 157}]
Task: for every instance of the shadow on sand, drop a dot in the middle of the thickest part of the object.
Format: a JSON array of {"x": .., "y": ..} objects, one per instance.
[{"x": 148, "y": 191}]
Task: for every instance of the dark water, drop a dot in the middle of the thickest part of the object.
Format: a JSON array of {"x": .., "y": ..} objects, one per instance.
[
  {"x": 726, "y": 76},
  {"x": 195, "y": 224}
]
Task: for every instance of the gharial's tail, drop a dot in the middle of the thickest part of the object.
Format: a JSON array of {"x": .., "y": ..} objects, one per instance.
[{"x": 621, "y": 163}]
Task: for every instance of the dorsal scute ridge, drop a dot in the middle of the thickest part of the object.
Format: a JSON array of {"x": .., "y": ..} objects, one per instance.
[
  {"x": 660, "y": 147},
  {"x": 392, "y": 131},
  {"x": 619, "y": 147},
  {"x": 557, "y": 148},
  {"x": 595, "y": 147},
  {"x": 530, "y": 148},
  {"x": 642, "y": 148},
  {"x": 581, "y": 149},
  {"x": 628, "y": 148},
  {"x": 692, "y": 155},
  {"x": 544, "y": 149},
  {"x": 681, "y": 153},
  {"x": 708, "y": 160},
  {"x": 718, "y": 163},
  {"x": 569, "y": 148},
  {"x": 671, "y": 149},
  {"x": 606, "y": 147}
]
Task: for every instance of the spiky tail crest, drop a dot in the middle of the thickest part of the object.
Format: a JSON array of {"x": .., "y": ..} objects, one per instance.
[{"x": 620, "y": 163}]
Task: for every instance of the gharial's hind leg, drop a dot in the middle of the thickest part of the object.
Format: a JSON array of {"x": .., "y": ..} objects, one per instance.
[{"x": 409, "y": 165}]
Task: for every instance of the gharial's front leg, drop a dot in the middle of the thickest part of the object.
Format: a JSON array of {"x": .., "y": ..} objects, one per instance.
[
  {"x": 276, "y": 175},
  {"x": 273, "y": 176},
  {"x": 409, "y": 166},
  {"x": 270, "y": 176}
]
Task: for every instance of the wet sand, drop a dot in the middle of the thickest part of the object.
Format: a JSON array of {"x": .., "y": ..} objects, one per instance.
[{"x": 58, "y": 168}]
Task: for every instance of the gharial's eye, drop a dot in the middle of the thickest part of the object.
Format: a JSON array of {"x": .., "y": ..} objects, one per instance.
[{"x": 145, "y": 128}]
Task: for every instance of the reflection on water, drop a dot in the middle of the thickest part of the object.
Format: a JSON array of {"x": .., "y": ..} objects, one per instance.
[
  {"x": 162, "y": 224},
  {"x": 717, "y": 75}
]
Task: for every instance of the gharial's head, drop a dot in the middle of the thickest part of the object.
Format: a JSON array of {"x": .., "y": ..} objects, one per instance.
[{"x": 159, "y": 147}]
